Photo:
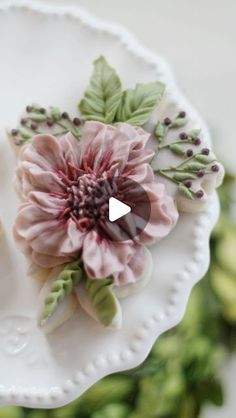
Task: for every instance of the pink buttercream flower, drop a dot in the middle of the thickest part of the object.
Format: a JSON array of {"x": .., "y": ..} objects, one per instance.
[{"x": 64, "y": 214}]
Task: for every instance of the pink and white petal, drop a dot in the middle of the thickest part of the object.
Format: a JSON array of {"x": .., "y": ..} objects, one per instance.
[
  {"x": 48, "y": 203},
  {"x": 31, "y": 221},
  {"x": 21, "y": 243},
  {"x": 30, "y": 177},
  {"x": 44, "y": 151},
  {"x": 91, "y": 129},
  {"x": 73, "y": 241},
  {"x": 49, "y": 261},
  {"x": 95, "y": 144},
  {"x": 102, "y": 257},
  {"x": 71, "y": 149},
  {"x": 51, "y": 240},
  {"x": 140, "y": 157},
  {"x": 136, "y": 274},
  {"x": 128, "y": 144},
  {"x": 163, "y": 216},
  {"x": 136, "y": 137},
  {"x": 121, "y": 142},
  {"x": 42, "y": 231},
  {"x": 142, "y": 173}
]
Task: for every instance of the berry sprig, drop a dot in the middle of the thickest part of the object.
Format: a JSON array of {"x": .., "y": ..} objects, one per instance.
[
  {"x": 39, "y": 120},
  {"x": 194, "y": 165},
  {"x": 162, "y": 128}
]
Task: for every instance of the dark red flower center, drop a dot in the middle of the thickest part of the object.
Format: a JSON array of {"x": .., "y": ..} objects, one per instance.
[{"x": 87, "y": 195}]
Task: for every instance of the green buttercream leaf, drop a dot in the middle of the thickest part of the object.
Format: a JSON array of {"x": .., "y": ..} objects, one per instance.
[
  {"x": 103, "y": 300},
  {"x": 103, "y": 96},
  {"x": 55, "y": 113},
  {"x": 194, "y": 166},
  {"x": 203, "y": 159},
  {"x": 25, "y": 133},
  {"x": 185, "y": 191},
  {"x": 194, "y": 133},
  {"x": 178, "y": 123},
  {"x": 138, "y": 103},
  {"x": 183, "y": 176},
  {"x": 160, "y": 131},
  {"x": 63, "y": 285},
  {"x": 177, "y": 149}
]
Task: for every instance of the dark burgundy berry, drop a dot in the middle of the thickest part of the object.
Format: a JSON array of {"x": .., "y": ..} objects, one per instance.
[
  {"x": 200, "y": 173},
  {"x": 182, "y": 114},
  {"x": 183, "y": 135},
  {"x": 14, "y": 132},
  {"x": 76, "y": 121},
  {"x": 197, "y": 141},
  {"x": 205, "y": 151},
  {"x": 188, "y": 183},
  {"x": 199, "y": 194},
  {"x": 167, "y": 121},
  {"x": 215, "y": 168},
  {"x": 189, "y": 152},
  {"x": 50, "y": 122},
  {"x": 29, "y": 109},
  {"x": 33, "y": 126},
  {"x": 64, "y": 115},
  {"x": 23, "y": 121},
  {"x": 42, "y": 110}
]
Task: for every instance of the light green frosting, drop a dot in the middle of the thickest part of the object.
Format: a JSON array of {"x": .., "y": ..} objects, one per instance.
[{"x": 63, "y": 285}]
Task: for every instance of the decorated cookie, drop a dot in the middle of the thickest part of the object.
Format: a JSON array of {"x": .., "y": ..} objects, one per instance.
[{"x": 69, "y": 168}]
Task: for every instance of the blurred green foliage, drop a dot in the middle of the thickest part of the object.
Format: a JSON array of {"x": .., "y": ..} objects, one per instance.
[{"x": 182, "y": 371}]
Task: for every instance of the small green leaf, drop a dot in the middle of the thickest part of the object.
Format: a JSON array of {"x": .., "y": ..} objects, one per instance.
[
  {"x": 183, "y": 176},
  {"x": 194, "y": 166},
  {"x": 35, "y": 106},
  {"x": 38, "y": 117},
  {"x": 25, "y": 134},
  {"x": 177, "y": 149},
  {"x": 194, "y": 133},
  {"x": 160, "y": 131},
  {"x": 185, "y": 191},
  {"x": 203, "y": 159},
  {"x": 55, "y": 113},
  {"x": 103, "y": 96},
  {"x": 103, "y": 299},
  {"x": 178, "y": 123},
  {"x": 137, "y": 104},
  {"x": 62, "y": 287}
]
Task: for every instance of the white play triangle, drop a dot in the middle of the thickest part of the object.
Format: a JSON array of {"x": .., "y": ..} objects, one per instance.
[{"x": 117, "y": 209}]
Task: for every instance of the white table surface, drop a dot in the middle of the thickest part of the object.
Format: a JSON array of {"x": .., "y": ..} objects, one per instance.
[{"x": 198, "y": 39}]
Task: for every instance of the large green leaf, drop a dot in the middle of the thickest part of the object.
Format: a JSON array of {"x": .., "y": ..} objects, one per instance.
[
  {"x": 138, "y": 103},
  {"x": 103, "y": 300},
  {"x": 103, "y": 96}
]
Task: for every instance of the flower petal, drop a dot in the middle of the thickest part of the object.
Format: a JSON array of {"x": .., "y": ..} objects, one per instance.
[
  {"x": 45, "y": 152},
  {"x": 103, "y": 257},
  {"x": 136, "y": 273}
]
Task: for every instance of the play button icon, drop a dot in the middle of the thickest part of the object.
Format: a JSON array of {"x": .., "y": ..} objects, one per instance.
[
  {"x": 123, "y": 208},
  {"x": 117, "y": 209}
]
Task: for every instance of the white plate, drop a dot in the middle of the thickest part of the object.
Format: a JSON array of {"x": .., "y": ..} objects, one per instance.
[{"x": 46, "y": 55}]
